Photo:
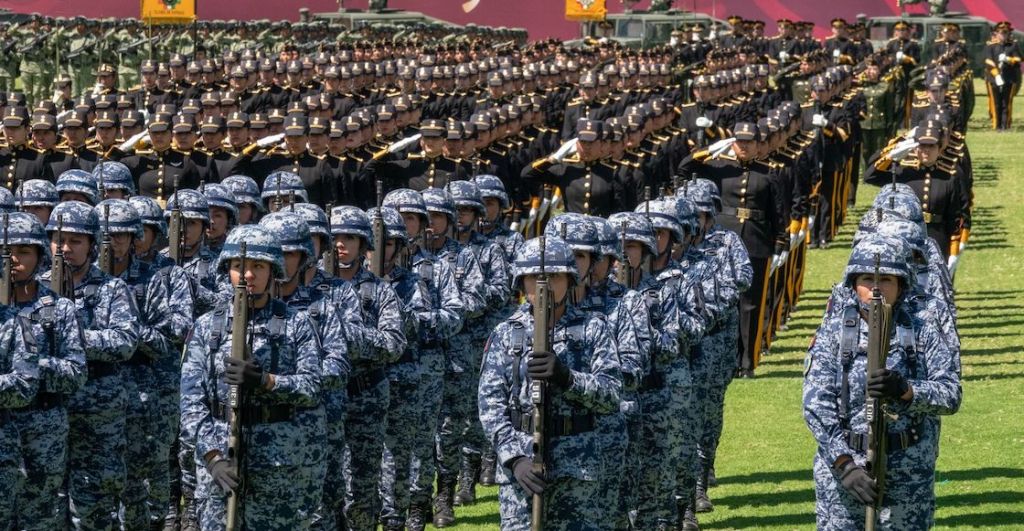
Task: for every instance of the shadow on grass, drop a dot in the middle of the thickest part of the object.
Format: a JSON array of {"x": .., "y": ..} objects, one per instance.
[
  {"x": 983, "y": 520},
  {"x": 768, "y": 477},
  {"x": 1008, "y": 349},
  {"x": 761, "y": 499},
  {"x": 750, "y": 522},
  {"x": 988, "y": 377},
  {"x": 981, "y": 498},
  {"x": 974, "y": 474}
]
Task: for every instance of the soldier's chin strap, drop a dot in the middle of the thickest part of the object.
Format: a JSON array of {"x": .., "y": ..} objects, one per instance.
[{"x": 488, "y": 224}]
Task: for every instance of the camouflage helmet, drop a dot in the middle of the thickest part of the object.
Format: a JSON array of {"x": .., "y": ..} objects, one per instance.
[
  {"x": 912, "y": 233},
  {"x": 113, "y": 175},
  {"x": 245, "y": 190},
  {"x": 637, "y": 229},
  {"x": 78, "y": 182},
  {"x": 351, "y": 220},
  {"x": 36, "y": 192},
  {"x": 882, "y": 197},
  {"x": 74, "y": 217},
  {"x": 150, "y": 212},
  {"x": 576, "y": 230},
  {"x": 704, "y": 195},
  {"x": 466, "y": 194},
  {"x": 406, "y": 201},
  {"x": 439, "y": 200},
  {"x": 686, "y": 213},
  {"x": 118, "y": 216},
  {"x": 315, "y": 218},
  {"x": 291, "y": 232},
  {"x": 394, "y": 225},
  {"x": 558, "y": 258},
  {"x": 663, "y": 216},
  {"x": 286, "y": 183},
  {"x": 892, "y": 258},
  {"x": 6, "y": 200},
  {"x": 491, "y": 186},
  {"x": 218, "y": 195},
  {"x": 25, "y": 229},
  {"x": 192, "y": 203},
  {"x": 260, "y": 244},
  {"x": 609, "y": 243}
]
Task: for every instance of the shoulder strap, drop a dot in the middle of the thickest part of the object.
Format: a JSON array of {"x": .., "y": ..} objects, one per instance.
[{"x": 848, "y": 342}]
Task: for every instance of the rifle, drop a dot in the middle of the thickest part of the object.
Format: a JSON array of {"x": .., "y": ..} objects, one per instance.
[
  {"x": 7, "y": 281},
  {"x": 106, "y": 252},
  {"x": 240, "y": 303},
  {"x": 624, "y": 275},
  {"x": 175, "y": 230},
  {"x": 58, "y": 277},
  {"x": 539, "y": 388},
  {"x": 329, "y": 256},
  {"x": 379, "y": 234},
  {"x": 879, "y": 328}
]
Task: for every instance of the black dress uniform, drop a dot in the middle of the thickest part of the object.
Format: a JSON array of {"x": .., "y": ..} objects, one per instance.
[
  {"x": 316, "y": 176},
  {"x": 417, "y": 170},
  {"x": 1002, "y": 75},
  {"x": 157, "y": 173},
  {"x": 753, "y": 207}
]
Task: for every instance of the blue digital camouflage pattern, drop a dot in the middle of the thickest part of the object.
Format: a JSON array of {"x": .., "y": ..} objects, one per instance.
[
  {"x": 245, "y": 190},
  {"x": 36, "y": 192},
  {"x": 78, "y": 182},
  {"x": 283, "y": 184},
  {"x": 113, "y": 175},
  {"x": 19, "y": 382}
]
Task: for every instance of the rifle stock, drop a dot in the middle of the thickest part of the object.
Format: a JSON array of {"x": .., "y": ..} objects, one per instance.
[
  {"x": 59, "y": 274},
  {"x": 7, "y": 282},
  {"x": 379, "y": 235},
  {"x": 539, "y": 388},
  {"x": 106, "y": 251},
  {"x": 330, "y": 257},
  {"x": 879, "y": 328},
  {"x": 239, "y": 350},
  {"x": 175, "y": 230}
]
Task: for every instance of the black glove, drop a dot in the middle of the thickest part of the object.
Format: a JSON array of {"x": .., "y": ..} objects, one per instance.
[
  {"x": 224, "y": 474},
  {"x": 522, "y": 469},
  {"x": 884, "y": 383},
  {"x": 244, "y": 373},
  {"x": 858, "y": 483},
  {"x": 546, "y": 366}
]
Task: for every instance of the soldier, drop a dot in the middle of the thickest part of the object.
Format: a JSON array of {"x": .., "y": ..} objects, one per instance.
[
  {"x": 920, "y": 378},
  {"x": 584, "y": 381},
  {"x": 162, "y": 169},
  {"x": 19, "y": 372},
  {"x": 33, "y": 55},
  {"x": 77, "y": 185},
  {"x": 97, "y": 412},
  {"x": 295, "y": 158},
  {"x": 50, "y": 330},
  {"x": 114, "y": 181},
  {"x": 428, "y": 168},
  {"x": 282, "y": 377},
  {"x": 1002, "y": 57},
  {"x": 223, "y": 215},
  {"x": 882, "y": 107},
  {"x": 19, "y": 161},
  {"x": 378, "y": 342},
  {"x": 247, "y": 198},
  {"x": 198, "y": 261},
  {"x": 281, "y": 189}
]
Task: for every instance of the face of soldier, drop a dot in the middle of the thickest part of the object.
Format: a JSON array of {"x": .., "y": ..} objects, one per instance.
[
  {"x": 143, "y": 246},
  {"x": 583, "y": 261},
  {"x": 558, "y": 284},
  {"x": 121, "y": 243},
  {"x": 106, "y": 80},
  {"x": 348, "y": 247},
  {"x": 16, "y": 136},
  {"x": 42, "y": 213},
  {"x": 439, "y": 223},
  {"x": 24, "y": 259},
  {"x": 257, "y": 274},
  {"x": 194, "y": 229},
  {"x": 390, "y": 248},
  {"x": 928, "y": 154},
  {"x": 218, "y": 223},
  {"x": 185, "y": 141},
  {"x": 75, "y": 136},
  {"x": 317, "y": 144},
  {"x": 634, "y": 253},
  {"x": 745, "y": 150},
  {"x": 44, "y": 138},
  {"x": 296, "y": 144},
  {"x": 213, "y": 140},
  {"x": 292, "y": 261},
  {"x": 76, "y": 248},
  {"x": 492, "y": 208},
  {"x": 888, "y": 285},
  {"x": 238, "y": 136},
  {"x": 467, "y": 219}
]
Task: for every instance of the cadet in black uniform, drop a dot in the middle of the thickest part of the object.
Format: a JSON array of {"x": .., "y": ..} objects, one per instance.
[
  {"x": 1002, "y": 75},
  {"x": 158, "y": 170},
  {"x": 19, "y": 161},
  {"x": 295, "y": 158}
]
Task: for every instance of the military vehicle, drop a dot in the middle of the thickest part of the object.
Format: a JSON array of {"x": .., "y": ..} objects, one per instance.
[
  {"x": 354, "y": 19},
  {"x": 974, "y": 30},
  {"x": 636, "y": 28}
]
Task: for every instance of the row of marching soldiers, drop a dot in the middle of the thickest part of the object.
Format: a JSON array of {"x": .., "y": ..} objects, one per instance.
[{"x": 363, "y": 334}]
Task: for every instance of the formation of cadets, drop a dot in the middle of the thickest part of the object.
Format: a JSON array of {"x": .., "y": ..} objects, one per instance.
[{"x": 382, "y": 201}]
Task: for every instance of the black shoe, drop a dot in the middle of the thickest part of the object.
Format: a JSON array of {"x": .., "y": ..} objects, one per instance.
[
  {"x": 444, "y": 514},
  {"x": 823, "y": 244},
  {"x": 487, "y": 468},
  {"x": 395, "y": 524},
  {"x": 466, "y": 494},
  {"x": 747, "y": 374},
  {"x": 703, "y": 504},
  {"x": 690, "y": 521}
]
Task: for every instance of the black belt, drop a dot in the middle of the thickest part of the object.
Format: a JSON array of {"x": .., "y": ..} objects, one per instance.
[
  {"x": 558, "y": 425},
  {"x": 894, "y": 441},
  {"x": 101, "y": 369},
  {"x": 44, "y": 401},
  {"x": 258, "y": 414},
  {"x": 654, "y": 380},
  {"x": 743, "y": 213},
  {"x": 359, "y": 383},
  {"x": 140, "y": 359}
]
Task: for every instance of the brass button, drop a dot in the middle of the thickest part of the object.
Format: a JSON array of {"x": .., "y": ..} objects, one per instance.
[
  {"x": 743, "y": 190},
  {"x": 586, "y": 205}
]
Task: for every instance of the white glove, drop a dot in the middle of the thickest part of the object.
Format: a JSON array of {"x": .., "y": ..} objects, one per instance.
[
  {"x": 64, "y": 114},
  {"x": 57, "y": 97},
  {"x": 802, "y": 235},
  {"x": 1002, "y": 58},
  {"x": 270, "y": 140},
  {"x": 704, "y": 122},
  {"x": 129, "y": 144},
  {"x": 721, "y": 146},
  {"x": 98, "y": 88},
  {"x": 952, "y": 263},
  {"x": 404, "y": 143},
  {"x": 899, "y": 57},
  {"x": 783, "y": 256},
  {"x": 836, "y": 53},
  {"x": 674, "y": 41},
  {"x": 695, "y": 37},
  {"x": 963, "y": 245},
  {"x": 999, "y": 80},
  {"x": 794, "y": 240},
  {"x": 783, "y": 56},
  {"x": 568, "y": 147},
  {"x": 777, "y": 261},
  {"x": 911, "y": 133},
  {"x": 902, "y": 149},
  {"x": 819, "y": 120}
]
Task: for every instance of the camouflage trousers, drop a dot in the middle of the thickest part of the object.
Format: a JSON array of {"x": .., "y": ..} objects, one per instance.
[
  {"x": 149, "y": 431},
  {"x": 10, "y": 481},
  {"x": 167, "y": 411},
  {"x": 460, "y": 433},
  {"x": 44, "y": 447},
  {"x": 689, "y": 463},
  {"x": 632, "y": 466},
  {"x": 276, "y": 498},
  {"x": 569, "y": 504},
  {"x": 332, "y": 504},
  {"x": 665, "y": 429},
  {"x": 365, "y": 421},
  {"x": 720, "y": 349},
  {"x": 407, "y": 470},
  {"x": 96, "y": 449},
  {"x": 34, "y": 86}
]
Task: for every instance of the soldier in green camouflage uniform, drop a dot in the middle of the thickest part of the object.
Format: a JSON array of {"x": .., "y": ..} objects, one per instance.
[{"x": 31, "y": 48}]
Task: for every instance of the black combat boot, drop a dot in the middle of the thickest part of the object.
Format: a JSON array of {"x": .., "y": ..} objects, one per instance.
[
  {"x": 189, "y": 512},
  {"x": 444, "y": 514},
  {"x": 467, "y": 480},
  {"x": 686, "y": 519},
  {"x": 703, "y": 503},
  {"x": 487, "y": 467},
  {"x": 712, "y": 480}
]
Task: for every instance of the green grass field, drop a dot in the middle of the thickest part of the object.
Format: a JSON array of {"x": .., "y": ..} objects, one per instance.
[{"x": 764, "y": 463}]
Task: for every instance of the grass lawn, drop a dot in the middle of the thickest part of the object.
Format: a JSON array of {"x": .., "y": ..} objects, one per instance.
[{"x": 764, "y": 463}]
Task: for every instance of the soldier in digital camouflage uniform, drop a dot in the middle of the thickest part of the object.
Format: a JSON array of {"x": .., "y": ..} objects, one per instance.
[
  {"x": 223, "y": 214},
  {"x": 109, "y": 319},
  {"x": 247, "y": 198},
  {"x": 433, "y": 312},
  {"x": 164, "y": 318},
  {"x": 921, "y": 381},
  {"x": 666, "y": 391},
  {"x": 281, "y": 475},
  {"x": 114, "y": 180},
  {"x": 377, "y": 343},
  {"x": 467, "y": 431},
  {"x": 198, "y": 261},
  {"x": 459, "y": 364},
  {"x": 19, "y": 382},
  {"x": 584, "y": 381},
  {"x": 37, "y": 197},
  {"x": 734, "y": 273}
]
